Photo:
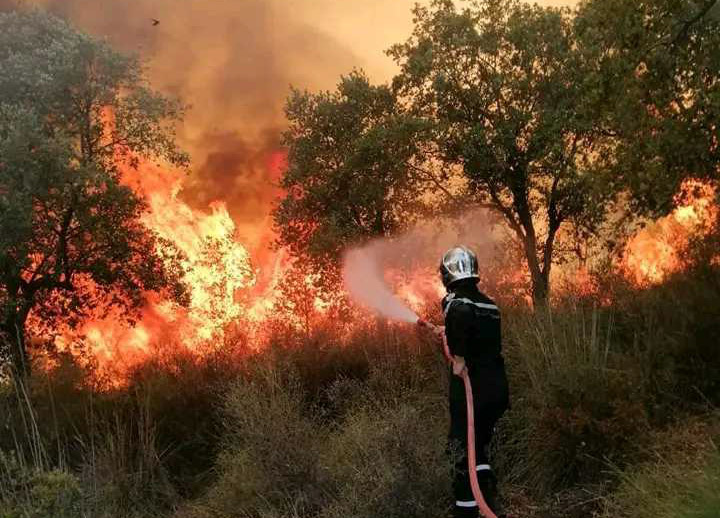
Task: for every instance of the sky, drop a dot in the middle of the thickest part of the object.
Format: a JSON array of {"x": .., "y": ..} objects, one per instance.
[{"x": 368, "y": 28}]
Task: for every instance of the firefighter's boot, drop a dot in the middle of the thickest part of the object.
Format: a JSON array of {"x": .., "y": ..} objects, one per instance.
[
  {"x": 489, "y": 487},
  {"x": 465, "y": 512}
]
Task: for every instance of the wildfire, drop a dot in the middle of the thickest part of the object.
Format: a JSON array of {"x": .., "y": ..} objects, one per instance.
[
  {"x": 225, "y": 287},
  {"x": 218, "y": 266},
  {"x": 419, "y": 289},
  {"x": 223, "y": 283},
  {"x": 656, "y": 251}
]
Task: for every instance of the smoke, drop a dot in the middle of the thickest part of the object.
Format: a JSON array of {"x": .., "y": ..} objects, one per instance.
[
  {"x": 415, "y": 254},
  {"x": 365, "y": 283},
  {"x": 232, "y": 62}
]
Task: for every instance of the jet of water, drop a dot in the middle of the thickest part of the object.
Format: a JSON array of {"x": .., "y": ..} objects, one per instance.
[{"x": 366, "y": 285}]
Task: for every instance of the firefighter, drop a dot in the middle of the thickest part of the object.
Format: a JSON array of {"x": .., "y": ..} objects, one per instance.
[{"x": 472, "y": 329}]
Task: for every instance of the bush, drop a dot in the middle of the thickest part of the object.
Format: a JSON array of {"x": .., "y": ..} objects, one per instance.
[
  {"x": 590, "y": 380},
  {"x": 271, "y": 443},
  {"x": 676, "y": 327},
  {"x": 359, "y": 436},
  {"x": 29, "y": 493},
  {"x": 123, "y": 472},
  {"x": 681, "y": 481},
  {"x": 389, "y": 459},
  {"x": 578, "y": 402}
]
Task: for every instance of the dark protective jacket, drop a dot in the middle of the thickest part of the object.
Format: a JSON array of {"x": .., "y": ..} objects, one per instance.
[
  {"x": 473, "y": 330},
  {"x": 472, "y": 327}
]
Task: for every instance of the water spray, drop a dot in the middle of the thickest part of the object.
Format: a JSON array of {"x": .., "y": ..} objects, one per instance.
[{"x": 365, "y": 283}]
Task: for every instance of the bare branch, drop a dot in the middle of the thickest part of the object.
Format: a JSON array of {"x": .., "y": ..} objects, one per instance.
[{"x": 686, "y": 26}]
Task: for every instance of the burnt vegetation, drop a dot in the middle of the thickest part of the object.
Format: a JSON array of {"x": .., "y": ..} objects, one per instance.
[{"x": 564, "y": 123}]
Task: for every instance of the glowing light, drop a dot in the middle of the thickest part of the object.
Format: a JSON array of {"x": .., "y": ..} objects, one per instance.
[
  {"x": 656, "y": 251},
  {"x": 221, "y": 279}
]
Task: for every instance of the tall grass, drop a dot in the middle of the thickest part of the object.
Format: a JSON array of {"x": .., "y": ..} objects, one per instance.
[
  {"x": 127, "y": 452},
  {"x": 680, "y": 480},
  {"x": 329, "y": 423},
  {"x": 579, "y": 399}
]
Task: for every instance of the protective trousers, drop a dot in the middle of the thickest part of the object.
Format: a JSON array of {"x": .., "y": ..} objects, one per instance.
[{"x": 486, "y": 416}]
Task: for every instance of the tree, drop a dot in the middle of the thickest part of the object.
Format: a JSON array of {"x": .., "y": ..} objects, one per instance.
[
  {"x": 297, "y": 299},
  {"x": 503, "y": 83},
  {"x": 73, "y": 112},
  {"x": 655, "y": 68},
  {"x": 348, "y": 176}
]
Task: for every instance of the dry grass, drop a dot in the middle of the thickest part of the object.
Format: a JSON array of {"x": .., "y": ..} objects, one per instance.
[{"x": 328, "y": 425}]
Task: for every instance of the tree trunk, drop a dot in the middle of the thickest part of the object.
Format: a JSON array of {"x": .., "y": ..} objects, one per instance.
[
  {"x": 13, "y": 333},
  {"x": 539, "y": 274},
  {"x": 540, "y": 288}
]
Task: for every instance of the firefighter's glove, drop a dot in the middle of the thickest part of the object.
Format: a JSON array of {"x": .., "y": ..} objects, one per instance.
[
  {"x": 437, "y": 332},
  {"x": 458, "y": 365}
]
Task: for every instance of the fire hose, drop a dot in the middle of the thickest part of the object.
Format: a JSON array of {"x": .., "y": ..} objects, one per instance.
[{"x": 471, "y": 453}]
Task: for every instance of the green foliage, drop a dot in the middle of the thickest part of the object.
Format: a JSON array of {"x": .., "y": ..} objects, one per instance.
[
  {"x": 348, "y": 174},
  {"x": 584, "y": 400},
  {"x": 656, "y": 74},
  {"x": 28, "y": 493},
  {"x": 682, "y": 480},
  {"x": 503, "y": 83},
  {"x": 73, "y": 114}
]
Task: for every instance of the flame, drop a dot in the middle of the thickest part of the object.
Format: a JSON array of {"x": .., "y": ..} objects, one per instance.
[
  {"x": 418, "y": 289},
  {"x": 656, "y": 251},
  {"x": 226, "y": 288},
  {"x": 224, "y": 285}
]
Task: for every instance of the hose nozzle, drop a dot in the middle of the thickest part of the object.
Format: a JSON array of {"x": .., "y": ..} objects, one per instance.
[{"x": 436, "y": 330}]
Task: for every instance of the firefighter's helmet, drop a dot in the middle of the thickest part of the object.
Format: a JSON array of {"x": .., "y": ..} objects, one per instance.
[{"x": 458, "y": 263}]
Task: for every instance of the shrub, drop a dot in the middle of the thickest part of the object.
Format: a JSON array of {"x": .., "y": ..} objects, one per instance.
[
  {"x": 122, "y": 471},
  {"x": 387, "y": 458},
  {"x": 29, "y": 493},
  {"x": 676, "y": 326},
  {"x": 578, "y": 401},
  {"x": 682, "y": 480},
  {"x": 270, "y": 446},
  {"x": 353, "y": 429}
]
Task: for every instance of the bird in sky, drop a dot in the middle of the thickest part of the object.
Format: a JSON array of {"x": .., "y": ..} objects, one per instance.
[{"x": 155, "y": 22}]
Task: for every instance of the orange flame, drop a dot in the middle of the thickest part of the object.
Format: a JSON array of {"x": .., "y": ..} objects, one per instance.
[
  {"x": 656, "y": 251},
  {"x": 225, "y": 287},
  {"x": 222, "y": 281}
]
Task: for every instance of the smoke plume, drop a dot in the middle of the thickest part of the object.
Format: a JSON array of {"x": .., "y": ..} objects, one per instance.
[
  {"x": 232, "y": 62},
  {"x": 415, "y": 254}
]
